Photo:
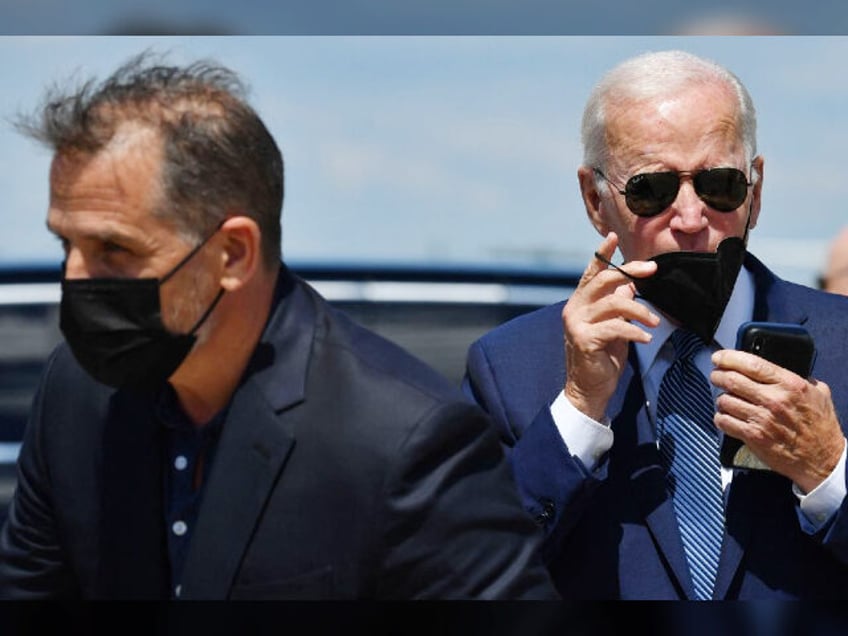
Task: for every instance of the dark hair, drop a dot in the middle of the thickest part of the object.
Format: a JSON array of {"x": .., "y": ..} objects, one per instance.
[{"x": 218, "y": 155}]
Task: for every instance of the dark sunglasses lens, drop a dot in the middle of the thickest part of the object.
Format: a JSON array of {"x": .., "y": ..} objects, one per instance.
[
  {"x": 723, "y": 189},
  {"x": 650, "y": 193}
]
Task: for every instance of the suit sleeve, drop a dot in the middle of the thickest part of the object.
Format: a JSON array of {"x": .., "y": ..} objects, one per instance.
[
  {"x": 452, "y": 524},
  {"x": 554, "y": 485},
  {"x": 32, "y": 564},
  {"x": 834, "y": 535}
]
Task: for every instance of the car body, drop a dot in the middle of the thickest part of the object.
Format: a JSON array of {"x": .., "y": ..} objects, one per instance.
[{"x": 434, "y": 312}]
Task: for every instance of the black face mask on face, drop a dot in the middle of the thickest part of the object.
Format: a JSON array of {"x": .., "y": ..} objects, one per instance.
[
  {"x": 115, "y": 331},
  {"x": 693, "y": 288}
]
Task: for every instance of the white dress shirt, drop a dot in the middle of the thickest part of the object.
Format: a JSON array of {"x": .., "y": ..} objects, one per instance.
[{"x": 588, "y": 439}]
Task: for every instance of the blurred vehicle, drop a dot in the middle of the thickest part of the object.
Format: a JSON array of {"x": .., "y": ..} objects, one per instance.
[{"x": 433, "y": 312}]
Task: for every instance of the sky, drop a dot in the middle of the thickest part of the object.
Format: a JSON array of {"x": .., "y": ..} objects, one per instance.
[{"x": 454, "y": 149}]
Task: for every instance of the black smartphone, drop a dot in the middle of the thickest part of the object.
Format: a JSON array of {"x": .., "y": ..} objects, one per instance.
[{"x": 788, "y": 345}]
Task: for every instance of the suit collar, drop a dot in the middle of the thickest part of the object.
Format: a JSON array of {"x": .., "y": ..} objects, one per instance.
[
  {"x": 772, "y": 300},
  {"x": 280, "y": 362},
  {"x": 257, "y": 439}
]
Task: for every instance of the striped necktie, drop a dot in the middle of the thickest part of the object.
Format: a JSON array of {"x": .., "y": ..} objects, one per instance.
[{"x": 689, "y": 447}]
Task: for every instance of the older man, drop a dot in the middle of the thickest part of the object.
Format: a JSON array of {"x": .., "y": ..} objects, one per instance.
[
  {"x": 615, "y": 437},
  {"x": 212, "y": 428}
]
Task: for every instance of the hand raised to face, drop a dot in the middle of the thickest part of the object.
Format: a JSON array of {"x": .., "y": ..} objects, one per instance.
[{"x": 598, "y": 325}]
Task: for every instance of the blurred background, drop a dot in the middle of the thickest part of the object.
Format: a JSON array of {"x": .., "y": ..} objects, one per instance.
[
  {"x": 455, "y": 150},
  {"x": 432, "y": 148},
  {"x": 447, "y": 17}
]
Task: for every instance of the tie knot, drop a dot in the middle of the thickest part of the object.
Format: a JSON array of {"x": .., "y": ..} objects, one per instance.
[{"x": 685, "y": 344}]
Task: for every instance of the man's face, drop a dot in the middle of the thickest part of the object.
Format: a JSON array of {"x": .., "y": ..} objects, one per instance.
[
  {"x": 102, "y": 209},
  {"x": 694, "y": 130}
]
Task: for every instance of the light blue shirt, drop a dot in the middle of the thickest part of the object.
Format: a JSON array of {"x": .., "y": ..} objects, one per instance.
[{"x": 588, "y": 439}]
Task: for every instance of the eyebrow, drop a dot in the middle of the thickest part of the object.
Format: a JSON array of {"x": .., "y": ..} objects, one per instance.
[{"x": 104, "y": 235}]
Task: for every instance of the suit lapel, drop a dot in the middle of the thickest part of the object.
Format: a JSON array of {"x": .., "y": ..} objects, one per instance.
[
  {"x": 771, "y": 300},
  {"x": 636, "y": 455},
  {"x": 257, "y": 437},
  {"x": 739, "y": 517},
  {"x": 771, "y": 303},
  {"x": 252, "y": 451}
]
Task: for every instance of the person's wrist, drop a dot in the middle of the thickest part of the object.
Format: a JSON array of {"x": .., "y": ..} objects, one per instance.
[{"x": 584, "y": 402}]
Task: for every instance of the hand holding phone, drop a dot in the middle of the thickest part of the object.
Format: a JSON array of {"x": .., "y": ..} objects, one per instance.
[{"x": 787, "y": 345}]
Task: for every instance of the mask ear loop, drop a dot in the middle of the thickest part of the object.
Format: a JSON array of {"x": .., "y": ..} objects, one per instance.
[
  {"x": 748, "y": 222},
  {"x": 750, "y": 206},
  {"x": 185, "y": 260},
  {"x": 193, "y": 251},
  {"x": 606, "y": 261},
  {"x": 207, "y": 312}
]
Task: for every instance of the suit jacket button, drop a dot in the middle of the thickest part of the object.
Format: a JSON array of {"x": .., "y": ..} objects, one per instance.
[{"x": 547, "y": 512}]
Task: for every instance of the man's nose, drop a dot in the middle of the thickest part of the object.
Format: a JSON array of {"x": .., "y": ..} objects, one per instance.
[
  {"x": 75, "y": 265},
  {"x": 689, "y": 210}
]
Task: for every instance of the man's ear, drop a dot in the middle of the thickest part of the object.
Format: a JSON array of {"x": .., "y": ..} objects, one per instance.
[
  {"x": 241, "y": 253},
  {"x": 592, "y": 199},
  {"x": 756, "y": 169}
]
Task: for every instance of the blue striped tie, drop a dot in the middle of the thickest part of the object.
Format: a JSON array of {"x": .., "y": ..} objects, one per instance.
[{"x": 689, "y": 447}]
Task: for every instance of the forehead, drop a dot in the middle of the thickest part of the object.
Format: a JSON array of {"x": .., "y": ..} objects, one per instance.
[
  {"x": 694, "y": 127},
  {"x": 113, "y": 194},
  {"x": 128, "y": 168}
]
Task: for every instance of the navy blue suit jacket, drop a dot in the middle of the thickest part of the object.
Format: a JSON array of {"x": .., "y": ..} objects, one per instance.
[
  {"x": 345, "y": 469},
  {"x": 611, "y": 533}
]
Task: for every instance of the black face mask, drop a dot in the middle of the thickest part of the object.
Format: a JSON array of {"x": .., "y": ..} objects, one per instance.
[
  {"x": 693, "y": 288},
  {"x": 115, "y": 331}
]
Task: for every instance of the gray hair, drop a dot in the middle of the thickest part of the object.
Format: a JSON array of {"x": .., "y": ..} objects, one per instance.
[
  {"x": 655, "y": 75},
  {"x": 218, "y": 155}
]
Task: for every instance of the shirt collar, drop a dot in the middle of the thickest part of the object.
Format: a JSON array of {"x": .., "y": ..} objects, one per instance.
[
  {"x": 172, "y": 417},
  {"x": 740, "y": 308}
]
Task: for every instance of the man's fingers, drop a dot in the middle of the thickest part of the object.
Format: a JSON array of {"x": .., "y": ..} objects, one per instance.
[
  {"x": 621, "y": 305},
  {"x": 596, "y": 265}
]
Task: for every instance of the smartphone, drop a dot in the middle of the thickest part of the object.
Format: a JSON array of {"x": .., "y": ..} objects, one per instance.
[{"x": 788, "y": 345}]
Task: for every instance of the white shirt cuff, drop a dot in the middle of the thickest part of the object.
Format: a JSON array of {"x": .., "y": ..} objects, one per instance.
[
  {"x": 587, "y": 439},
  {"x": 821, "y": 503}
]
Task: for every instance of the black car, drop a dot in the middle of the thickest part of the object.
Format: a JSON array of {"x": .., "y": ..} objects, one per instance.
[{"x": 433, "y": 312}]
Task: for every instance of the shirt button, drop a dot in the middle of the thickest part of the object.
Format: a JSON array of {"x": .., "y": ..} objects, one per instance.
[
  {"x": 180, "y": 462},
  {"x": 179, "y": 528}
]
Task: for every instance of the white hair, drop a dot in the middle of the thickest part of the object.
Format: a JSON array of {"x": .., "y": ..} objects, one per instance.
[{"x": 652, "y": 76}]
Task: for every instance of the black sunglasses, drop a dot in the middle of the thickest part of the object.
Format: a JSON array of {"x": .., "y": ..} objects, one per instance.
[{"x": 649, "y": 193}]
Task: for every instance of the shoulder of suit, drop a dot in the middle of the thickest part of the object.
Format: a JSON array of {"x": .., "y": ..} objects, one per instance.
[{"x": 539, "y": 325}]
